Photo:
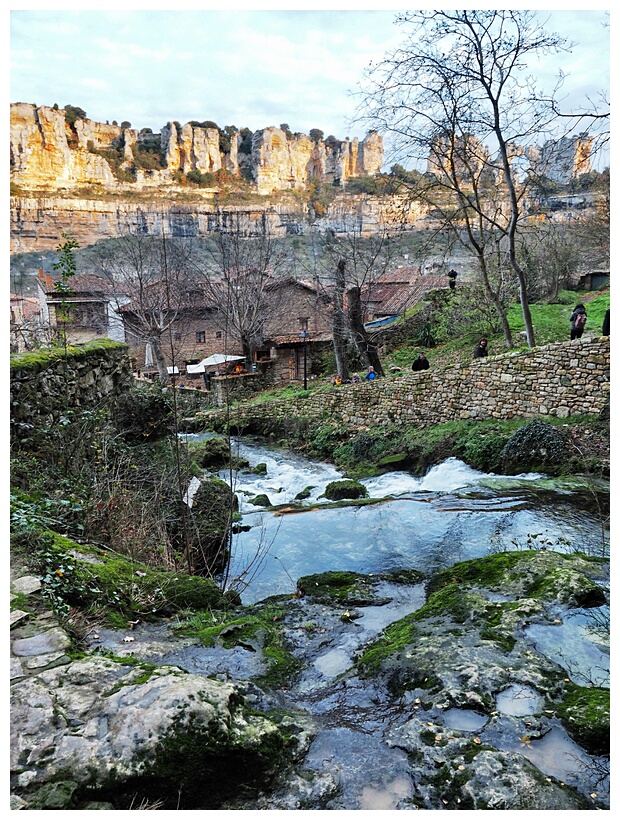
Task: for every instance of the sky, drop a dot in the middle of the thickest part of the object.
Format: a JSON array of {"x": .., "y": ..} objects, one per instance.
[{"x": 250, "y": 67}]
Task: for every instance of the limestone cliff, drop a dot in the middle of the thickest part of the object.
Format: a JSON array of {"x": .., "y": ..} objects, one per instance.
[
  {"x": 52, "y": 152},
  {"x": 280, "y": 161}
]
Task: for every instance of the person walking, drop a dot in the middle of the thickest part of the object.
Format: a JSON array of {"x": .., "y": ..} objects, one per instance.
[
  {"x": 480, "y": 350},
  {"x": 421, "y": 363},
  {"x": 577, "y": 320}
]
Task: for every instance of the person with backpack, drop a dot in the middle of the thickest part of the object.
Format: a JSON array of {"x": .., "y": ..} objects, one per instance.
[{"x": 578, "y": 320}]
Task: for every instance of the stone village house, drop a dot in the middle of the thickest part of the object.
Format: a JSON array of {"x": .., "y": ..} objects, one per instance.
[{"x": 190, "y": 325}]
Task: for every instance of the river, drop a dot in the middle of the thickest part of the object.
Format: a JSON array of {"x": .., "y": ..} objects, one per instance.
[{"x": 451, "y": 514}]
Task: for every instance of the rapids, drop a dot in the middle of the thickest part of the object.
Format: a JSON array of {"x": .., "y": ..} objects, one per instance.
[{"x": 451, "y": 514}]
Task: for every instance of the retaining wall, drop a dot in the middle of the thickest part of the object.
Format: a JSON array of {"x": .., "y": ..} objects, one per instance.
[
  {"x": 45, "y": 383},
  {"x": 563, "y": 379}
]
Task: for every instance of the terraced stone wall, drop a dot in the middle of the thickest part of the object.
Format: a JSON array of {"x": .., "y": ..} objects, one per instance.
[{"x": 563, "y": 379}]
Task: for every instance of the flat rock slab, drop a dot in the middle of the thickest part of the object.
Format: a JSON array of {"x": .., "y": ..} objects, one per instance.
[
  {"x": 18, "y": 616},
  {"x": 27, "y": 584},
  {"x": 45, "y": 643}
]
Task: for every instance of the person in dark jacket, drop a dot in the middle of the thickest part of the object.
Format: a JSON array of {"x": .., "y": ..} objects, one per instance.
[
  {"x": 577, "y": 322},
  {"x": 606, "y": 323},
  {"x": 421, "y": 363},
  {"x": 480, "y": 349}
]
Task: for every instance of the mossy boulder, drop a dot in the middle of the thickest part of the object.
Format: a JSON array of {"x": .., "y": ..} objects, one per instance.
[
  {"x": 207, "y": 526},
  {"x": 260, "y": 500},
  {"x": 585, "y": 712},
  {"x": 344, "y": 588},
  {"x": 117, "y": 588},
  {"x": 259, "y": 469},
  {"x": 536, "y": 446},
  {"x": 346, "y": 488},
  {"x": 305, "y": 493},
  {"x": 217, "y": 455}
]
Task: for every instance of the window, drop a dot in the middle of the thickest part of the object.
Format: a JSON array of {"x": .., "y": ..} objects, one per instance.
[
  {"x": 200, "y": 337},
  {"x": 218, "y": 334}
]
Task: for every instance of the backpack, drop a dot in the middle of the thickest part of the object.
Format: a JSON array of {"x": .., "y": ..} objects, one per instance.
[{"x": 580, "y": 320}]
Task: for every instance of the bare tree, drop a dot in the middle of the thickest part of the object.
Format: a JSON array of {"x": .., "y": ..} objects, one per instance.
[
  {"x": 457, "y": 83},
  {"x": 360, "y": 262},
  {"x": 240, "y": 280},
  {"x": 151, "y": 287}
]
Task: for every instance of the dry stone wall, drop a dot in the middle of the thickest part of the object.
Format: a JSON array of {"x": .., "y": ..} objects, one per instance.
[
  {"x": 561, "y": 380},
  {"x": 45, "y": 384}
]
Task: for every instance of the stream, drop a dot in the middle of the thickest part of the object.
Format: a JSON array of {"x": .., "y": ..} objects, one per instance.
[
  {"x": 451, "y": 514},
  {"x": 357, "y": 758}
]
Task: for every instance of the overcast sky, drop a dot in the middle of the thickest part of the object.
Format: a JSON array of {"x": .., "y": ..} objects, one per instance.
[{"x": 249, "y": 68}]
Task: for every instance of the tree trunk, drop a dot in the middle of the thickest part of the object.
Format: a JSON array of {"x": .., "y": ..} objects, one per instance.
[
  {"x": 160, "y": 359},
  {"x": 339, "y": 325},
  {"x": 367, "y": 348}
]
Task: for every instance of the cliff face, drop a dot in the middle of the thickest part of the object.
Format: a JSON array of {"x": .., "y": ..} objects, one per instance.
[
  {"x": 37, "y": 224},
  {"x": 280, "y": 162},
  {"x": 50, "y": 153}
]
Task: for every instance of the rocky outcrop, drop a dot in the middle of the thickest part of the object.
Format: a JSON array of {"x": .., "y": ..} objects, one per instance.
[
  {"x": 47, "y": 153},
  {"x": 51, "y": 151},
  {"x": 37, "y": 224},
  {"x": 192, "y": 148},
  {"x": 281, "y": 161}
]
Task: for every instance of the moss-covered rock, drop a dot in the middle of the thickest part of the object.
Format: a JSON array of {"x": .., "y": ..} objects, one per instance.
[
  {"x": 206, "y": 528},
  {"x": 534, "y": 447},
  {"x": 347, "y": 488},
  {"x": 260, "y": 500},
  {"x": 585, "y": 712},
  {"x": 118, "y": 588},
  {"x": 216, "y": 453}
]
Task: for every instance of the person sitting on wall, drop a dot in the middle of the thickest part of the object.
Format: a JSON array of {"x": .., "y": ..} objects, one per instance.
[
  {"x": 421, "y": 363},
  {"x": 370, "y": 375},
  {"x": 480, "y": 350},
  {"x": 338, "y": 380},
  {"x": 357, "y": 379}
]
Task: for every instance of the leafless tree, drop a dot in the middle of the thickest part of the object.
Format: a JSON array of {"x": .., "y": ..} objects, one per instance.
[
  {"x": 152, "y": 288},
  {"x": 359, "y": 262},
  {"x": 457, "y": 83},
  {"x": 240, "y": 279}
]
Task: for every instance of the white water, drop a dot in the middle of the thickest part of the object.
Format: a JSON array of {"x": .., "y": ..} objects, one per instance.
[{"x": 427, "y": 523}]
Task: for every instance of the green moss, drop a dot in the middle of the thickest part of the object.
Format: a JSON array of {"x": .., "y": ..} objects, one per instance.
[
  {"x": 347, "y": 488},
  {"x": 259, "y": 628},
  {"x": 487, "y": 572},
  {"x": 585, "y": 712},
  {"x": 454, "y": 601},
  {"x": 393, "y": 639},
  {"x": 345, "y": 588},
  {"x": 502, "y": 639},
  {"x": 122, "y": 589},
  {"x": 40, "y": 359}
]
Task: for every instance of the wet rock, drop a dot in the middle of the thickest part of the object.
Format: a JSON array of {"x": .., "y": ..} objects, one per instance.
[
  {"x": 107, "y": 723},
  {"x": 347, "y": 488}
]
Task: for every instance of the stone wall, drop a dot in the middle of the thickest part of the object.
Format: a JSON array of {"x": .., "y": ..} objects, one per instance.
[
  {"x": 563, "y": 379},
  {"x": 45, "y": 383}
]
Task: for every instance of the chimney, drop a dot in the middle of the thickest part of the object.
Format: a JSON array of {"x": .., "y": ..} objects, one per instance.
[
  {"x": 49, "y": 282},
  {"x": 41, "y": 274}
]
